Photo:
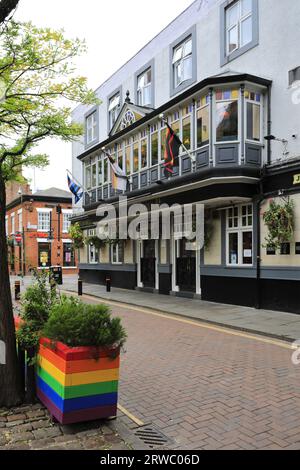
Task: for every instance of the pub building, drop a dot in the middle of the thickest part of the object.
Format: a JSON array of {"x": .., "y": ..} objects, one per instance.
[{"x": 215, "y": 75}]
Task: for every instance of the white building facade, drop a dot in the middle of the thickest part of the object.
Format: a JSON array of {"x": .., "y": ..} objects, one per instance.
[{"x": 224, "y": 74}]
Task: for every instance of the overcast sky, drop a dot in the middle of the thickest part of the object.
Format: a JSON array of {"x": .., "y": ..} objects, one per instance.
[{"x": 114, "y": 31}]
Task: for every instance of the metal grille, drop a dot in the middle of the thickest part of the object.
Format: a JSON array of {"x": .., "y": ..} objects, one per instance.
[{"x": 151, "y": 437}]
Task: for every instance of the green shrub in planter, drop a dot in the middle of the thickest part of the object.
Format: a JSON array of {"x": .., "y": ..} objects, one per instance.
[{"x": 77, "y": 324}]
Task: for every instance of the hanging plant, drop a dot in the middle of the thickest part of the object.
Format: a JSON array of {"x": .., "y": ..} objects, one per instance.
[
  {"x": 208, "y": 228},
  {"x": 76, "y": 234},
  {"x": 95, "y": 241},
  {"x": 280, "y": 221}
]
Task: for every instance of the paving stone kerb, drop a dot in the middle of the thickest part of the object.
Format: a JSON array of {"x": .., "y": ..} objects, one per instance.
[
  {"x": 281, "y": 325},
  {"x": 31, "y": 428}
]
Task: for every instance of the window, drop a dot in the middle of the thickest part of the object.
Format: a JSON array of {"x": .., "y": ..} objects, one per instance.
[
  {"x": 94, "y": 175},
  {"x": 93, "y": 252},
  {"x": 186, "y": 129},
  {"x": 226, "y": 115},
  {"x": 253, "y": 116},
  {"x": 44, "y": 221},
  {"x": 136, "y": 146},
  {"x": 105, "y": 170},
  {"x": 91, "y": 128},
  {"x": 297, "y": 248},
  {"x": 69, "y": 256},
  {"x": 12, "y": 220},
  {"x": 66, "y": 221},
  {"x": 240, "y": 235},
  {"x": 202, "y": 121},
  {"x": 154, "y": 145},
  {"x": 120, "y": 155},
  {"x": 239, "y": 24},
  {"x": 144, "y": 153},
  {"x": 20, "y": 221},
  {"x": 88, "y": 180},
  {"x": 270, "y": 250},
  {"x": 114, "y": 109},
  {"x": 117, "y": 253},
  {"x": 294, "y": 75},
  {"x": 100, "y": 172},
  {"x": 128, "y": 157},
  {"x": 6, "y": 225},
  {"x": 144, "y": 88},
  {"x": 285, "y": 249},
  {"x": 44, "y": 254},
  {"x": 183, "y": 62}
]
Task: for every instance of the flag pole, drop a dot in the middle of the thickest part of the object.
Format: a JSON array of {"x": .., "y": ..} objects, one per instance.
[
  {"x": 76, "y": 181},
  {"x": 189, "y": 153}
]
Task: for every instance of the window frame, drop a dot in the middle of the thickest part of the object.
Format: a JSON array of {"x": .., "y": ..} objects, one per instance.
[
  {"x": 43, "y": 211},
  {"x": 70, "y": 243},
  {"x": 114, "y": 93},
  {"x": 67, "y": 214},
  {"x": 239, "y": 130},
  {"x": 225, "y": 58},
  {"x": 137, "y": 75},
  {"x": 95, "y": 136},
  {"x": 260, "y": 104},
  {"x": 197, "y": 109},
  {"x": 115, "y": 111},
  {"x": 116, "y": 246},
  {"x": 240, "y": 230},
  {"x": 191, "y": 33}
]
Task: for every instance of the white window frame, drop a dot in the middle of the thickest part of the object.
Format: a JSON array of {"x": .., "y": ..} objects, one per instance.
[
  {"x": 92, "y": 248},
  {"x": 199, "y": 108},
  {"x": 184, "y": 115},
  {"x": 13, "y": 223},
  {"x": 68, "y": 242},
  {"x": 240, "y": 229},
  {"x": 115, "y": 247},
  {"x": 44, "y": 211},
  {"x": 240, "y": 19},
  {"x": 67, "y": 214},
  {"x": 179, "y": 58},
  {"x": 6, "y": 225},
  {"x": 20, "y": 220},
  {"x": 142, "y": 87},
  {"x": 91, "y": 127},
  {"x": 114, "y": 109},
  {"x": 261, "y": 109}
]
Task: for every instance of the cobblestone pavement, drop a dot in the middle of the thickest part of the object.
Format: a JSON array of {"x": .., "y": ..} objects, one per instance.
[
  {"x": 30, "y": 428},
  {"x": 209, "y": 389}
]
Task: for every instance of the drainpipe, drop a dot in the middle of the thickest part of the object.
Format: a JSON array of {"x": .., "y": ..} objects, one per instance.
[{"x": 269, "y": 127}]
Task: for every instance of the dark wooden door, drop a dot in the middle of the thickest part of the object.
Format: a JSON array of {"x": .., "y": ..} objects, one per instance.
[
  {"x": 186, "y": 269},
  {"x": 148, "y": 263}
]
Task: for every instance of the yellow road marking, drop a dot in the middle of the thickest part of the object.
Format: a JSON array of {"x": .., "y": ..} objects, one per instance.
[
  {"x": 133, "y": 418},
  {"x": 199, "y": 324}
]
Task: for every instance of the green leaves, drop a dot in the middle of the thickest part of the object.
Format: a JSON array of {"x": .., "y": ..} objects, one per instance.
[
  {"x": 279, "y": 219},
  {"x": 77, "y": 324},
  {"x": 37, "y": 70}
]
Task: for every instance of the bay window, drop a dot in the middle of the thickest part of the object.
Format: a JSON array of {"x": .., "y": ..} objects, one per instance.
[
  {"x": 239, "y": 234},
  {"x": 144, "y": 88},
  {"x": 136, "y": 156},
  {"x": 226, "y": 115},
  {"x": 88, "y": 180},
  {"x": 253, "y": 116},
  {"x": 202, "y": 121},
  {"x": 183, "y": 62},
  {"x": 144, "y": 153},
  {"x": 154, "y": 145},
  {"x": 186, "y": 128},
  {"x": 128, "y": 157}
]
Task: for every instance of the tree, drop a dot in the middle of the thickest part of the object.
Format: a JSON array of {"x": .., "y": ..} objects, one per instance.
[
  {"x": 6, "y": 8},
  {"x": 38, "y": 82}
]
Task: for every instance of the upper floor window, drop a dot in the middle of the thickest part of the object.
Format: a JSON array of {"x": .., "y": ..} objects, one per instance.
[
  {"x": 20, "y": 221},
  {"x": 6, "y": 225},
  {"x": 202, "y": 117},
  {"x": 183, "y": 62},
  {"x": 113, "y": 109},
  {"x": 227, "y": 115},
  {"x": 44, "y": 221},
  {"x": 91, "y": 128},
  {"x": 144, "y": 88},
  {"x": 67, "y": 214},
  {"x": 12, "y": 220},
  {"x": 253, "y": 116},
  {"x": 240, "y": 23}
]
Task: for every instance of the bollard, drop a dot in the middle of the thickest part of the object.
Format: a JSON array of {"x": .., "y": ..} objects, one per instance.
[
  {"x": 108, "y": 283},
  {"x": 79, "y": 287},
  {"x": 17, "y": 290}
]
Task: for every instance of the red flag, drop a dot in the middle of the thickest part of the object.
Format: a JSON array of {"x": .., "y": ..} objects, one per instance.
[{"x": 173, "y": 144}]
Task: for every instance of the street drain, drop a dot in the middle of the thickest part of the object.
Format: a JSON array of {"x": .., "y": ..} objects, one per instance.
[{"x": 151, "y": 437}]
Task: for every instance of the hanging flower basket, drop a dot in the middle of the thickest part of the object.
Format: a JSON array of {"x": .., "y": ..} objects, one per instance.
[{"x": 280, "y": 221}]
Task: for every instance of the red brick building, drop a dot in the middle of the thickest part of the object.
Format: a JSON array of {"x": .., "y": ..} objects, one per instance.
[{"x": 37, "y": 227}]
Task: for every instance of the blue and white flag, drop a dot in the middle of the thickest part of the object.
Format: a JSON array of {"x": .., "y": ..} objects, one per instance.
[{"x": 75, "y": 189}]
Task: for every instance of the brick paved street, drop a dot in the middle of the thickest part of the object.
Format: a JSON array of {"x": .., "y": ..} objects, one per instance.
[
  {"x": 30, "y": 428},
  {"x": 206, "y": 389}
]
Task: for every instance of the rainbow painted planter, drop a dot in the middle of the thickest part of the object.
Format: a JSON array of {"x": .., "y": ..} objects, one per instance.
[{"x": 78, "y": 384}]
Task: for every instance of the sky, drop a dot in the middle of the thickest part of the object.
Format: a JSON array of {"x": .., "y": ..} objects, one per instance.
[{"x": 114, "y": 30}]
